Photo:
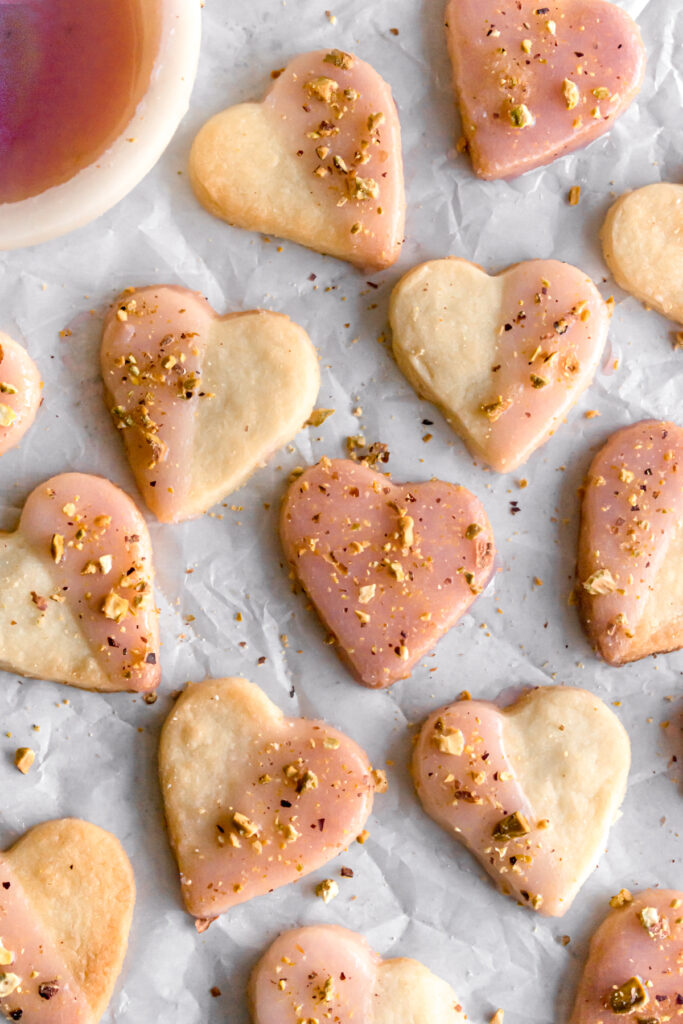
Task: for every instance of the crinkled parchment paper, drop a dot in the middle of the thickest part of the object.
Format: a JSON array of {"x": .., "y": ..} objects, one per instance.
[{"x": 414, "y": 891}]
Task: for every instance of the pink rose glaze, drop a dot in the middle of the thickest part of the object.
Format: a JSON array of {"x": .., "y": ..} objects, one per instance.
[
  {"x": 163, "y": 324},
  {"x": 128, "y": 651},
  {"x": 595, "y": 45},
  {"x": 341, "y": 531},
  {"x": 382, "y": 217},
  {"x": 304, "y": 959},
  {"x": 20, "y": 387},
  {"x": 33, "y": 951},
  {"x": 622, "y": 948},
  {"x": 632, "y": 508}
]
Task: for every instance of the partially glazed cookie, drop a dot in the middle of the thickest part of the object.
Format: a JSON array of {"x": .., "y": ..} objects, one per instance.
[
  {"x": 202, "y": 400},
  {"x": 630, "y": 583},
  {"x": 279, "y": 797},
  {"x": 66, "y": 904},
  {"x": 326, "y": 973},
  {"x": 504, "y": 358},
  {"x": 642, "y": 239},
  {"x": 534, "y": 83},
  {"x": 20, "y": 392},
  {"x": 76, "y": 589},
  {"x": 530, "y": 788},
  {"x": 389, "y": 567},
  {"x": 318, "y": 161},
  {"x": 635, "y": 962}
]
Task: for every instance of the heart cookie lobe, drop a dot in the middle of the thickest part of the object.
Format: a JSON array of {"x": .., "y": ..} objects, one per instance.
[
  {"x": 66, "y": 904},
  {"x": 201, "y": 400},
  {"x": 630, "y": 583},
  {"x": 504, "y": 358},
  {"x": 642, "y": 240},
  {"x": 76, "y": 589},
  {"x": 530, "y": 789},
  {"x": 318, "y": 161},
  {"x": 20, "y": 388},
  {"x": 529, "y": 86},
  {"x": 389, "y": 567},
  {"x": 634, "y": 961},
  {"x": 281, "y": 796},
  {"x": 332, "y": 974}
]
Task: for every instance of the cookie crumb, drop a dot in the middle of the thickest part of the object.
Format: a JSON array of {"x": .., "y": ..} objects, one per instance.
[{"x": 23, "y": 759}]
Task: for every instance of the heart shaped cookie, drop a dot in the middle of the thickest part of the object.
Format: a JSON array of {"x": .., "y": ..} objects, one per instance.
[
  {"x": 630, "y": 582},
  {"x": 202, "y": 400},
  {"x": 66, "y": 904},
  {"x": 254, "y": 800},
  {"x": 76, "y": 597},
  {"x": 530, "y": 788},
  {"x": 318, "y": 161},
  {"x": 642, "y": 239},
  {"x": 20, "y": 387},
  {"x": 634, "y": 962},
  {"x": 389, "y": 567},
  {"x": 326, "y": 973},
  {"x": 534, "y": 83},
  {"x": 503, "y": 357}
]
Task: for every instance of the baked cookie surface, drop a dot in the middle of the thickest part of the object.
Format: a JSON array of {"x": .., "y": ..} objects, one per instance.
[{"x": 20, "y": 392}]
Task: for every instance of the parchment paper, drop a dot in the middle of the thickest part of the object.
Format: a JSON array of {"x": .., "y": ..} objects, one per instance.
[{"x": 415, "y": 892}]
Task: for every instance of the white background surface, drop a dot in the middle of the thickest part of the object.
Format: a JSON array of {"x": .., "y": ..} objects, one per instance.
[{"x": 415, "y": 892}]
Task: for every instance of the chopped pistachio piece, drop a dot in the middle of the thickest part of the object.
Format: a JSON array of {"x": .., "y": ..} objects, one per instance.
[
  {"x": 515, "y": 826},
  {"x": 6, "y": 956},
  {"x": 323, "y": 89},
  {"x": 8, "y": 983},
  {"x": 7, "y": 389},
  {"x": 318, "y": 417},
  {"x": 115, "y": 607},
  {"x": 628, "y": 996},
  {"x": 472, "y": 531},
  {"x": 327, "y": 890},
  {"x": 339, "y": 59},
  {"x": 57, "y": 547},
  {"x": 243, "y": 825},
  {"x": 622, "y": 899},
  {"x": 521, "y": 116},
  {"x": 601, "y": 582},
  {"x": 571, "y": 93},
  {"x": 654, "y": 924}
]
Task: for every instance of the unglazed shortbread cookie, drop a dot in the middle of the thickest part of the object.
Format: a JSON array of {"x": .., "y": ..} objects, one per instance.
[
  {"x": 635, "y": 962},
  {"x": 318, "y": 161},
  {"x": 20, "y": 387},
  {"x": 329, "y": 974},
  {"x": 389, "y": 567},
  {"x": 76, "y": 589},
  {"x": 534, "y": 83},
  {"x": 202, "y": 400},
  {"x": 254, "y": 800},
  {"x": 642, "y": 239},
  {"x": 503, "y": 357},
  {"x": 66, "y": 903},
  {"x": 531, "y": 788},
  {"x": 630, "y": 576}
]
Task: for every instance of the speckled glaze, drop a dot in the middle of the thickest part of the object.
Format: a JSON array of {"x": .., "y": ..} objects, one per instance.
[
  {"x": 20, "y": 392},
  {"x": 36, "y": 961},
  {"x": 128, "y": 651},
  {"x": 345, "y": 527},
  {"x": 623, "y": 948},
  {"x": 591, "y": 43},
  {"x": 632, "y": 507}
]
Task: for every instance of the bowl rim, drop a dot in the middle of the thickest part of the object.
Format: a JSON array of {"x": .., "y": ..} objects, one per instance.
[{"x": 98, "y": 187}]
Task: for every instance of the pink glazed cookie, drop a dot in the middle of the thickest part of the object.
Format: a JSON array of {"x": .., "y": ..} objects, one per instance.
[
  {"x": 76, "y": 589},
  {"x": 535, "y": 82},
  {"x": 20, "y": 388},
  {"x": 531, "y": 788},
  {"x": 630, "y": 578},
  {"x": 318, "y": 161},
  {"x": 329, "y": 974},
  {"x": 635, "y": 962},
  {"x": 277, "y": 797},
  {"x": 389, "y": 567}
]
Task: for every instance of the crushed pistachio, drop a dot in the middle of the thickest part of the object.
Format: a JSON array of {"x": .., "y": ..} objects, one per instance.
[
  {"x": 318, "y": 417},
  {"x": 327, "y": 890},
  {"x": 514, "y": 826},
  {"x": 448, "y": 740},
  {"x": 375, "y": 120},
  {"x": 7, "y": 389},
  {"x": 6, "y": 957},
  {"x": 289, "y": 832},
  {"x": 115, "y": 607},
  {"x": 367, "y": 593},
  {"x": 629, "y": 996},
  {"x": 570, "y": 91},
  {"x": 362, "y": 617},
  {"x": 654, "y": 924},
  {"x": 331, "y": 743},
  {"x": 244, "y": 826},
  {"x": 8, "y": 983},
  {"x": 322, "y": 89},
  {"x": 326, "y": 992},
  {"x": 526, "y": 46},
  {"x": 472, "y": 531},
  {"x": 520, "y": 116},
  {"x": 23, "y": 759},
  {"x": 538, "y": 382},
  {"x": 7, "y": 415},
  {"x": 379, "y": 777},
  {"x": 622, "y": 899},
  {"x": 339, "y": 59},
  {"x": 361, "y": 188},
  {"x": 494, "y": 410},
  {"x": 599, "y": 583},
  {"x": 57, "y": 547},
  {"x": 309, "y": 780},
  {"x": 601, "y": 93}
]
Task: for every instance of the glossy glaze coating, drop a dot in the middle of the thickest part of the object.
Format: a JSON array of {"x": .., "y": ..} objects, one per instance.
[
  {"x": 389, "y": 567},
  {"x": 20, "y": 392}
]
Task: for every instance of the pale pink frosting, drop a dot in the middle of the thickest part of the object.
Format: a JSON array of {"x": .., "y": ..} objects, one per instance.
[
  {"x": 591, "y": 43},
  {"x": 160, "y": 332},
  {"x": 296, "y": 831},
  {"x": 385, "y": 596},
  {"x": 381, "y": 217},
  {"x": 37, "y": 962},
  {"x": 632, "y": 507},
  {"x": 623, "y": 948},
  {"x": 127, "y": 651},
  {"x": 291, "y": 980},
  {"x": 20, "y": 392}
]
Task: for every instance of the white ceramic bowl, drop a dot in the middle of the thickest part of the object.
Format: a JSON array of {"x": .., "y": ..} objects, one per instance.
[{"x": 99, "y": 186}]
